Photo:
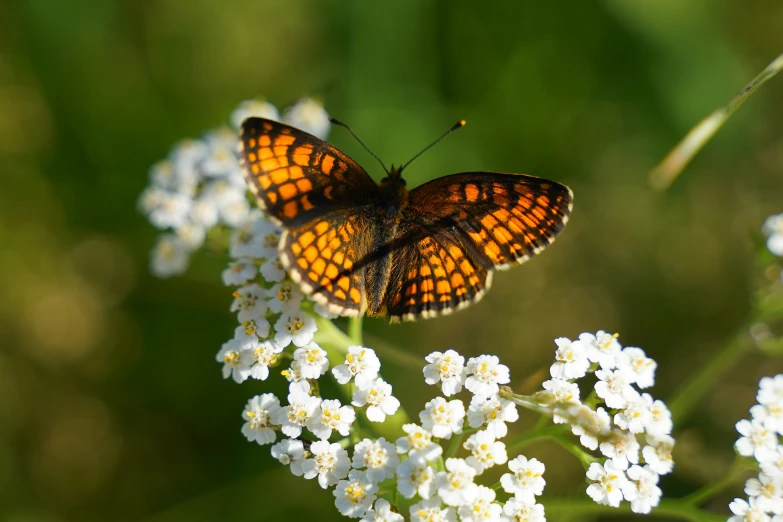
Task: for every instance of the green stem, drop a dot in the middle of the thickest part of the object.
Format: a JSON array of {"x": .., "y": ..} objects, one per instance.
[
  {"x": 395, "y": 354},
  {"x": 355, "y": 329},
  {"x": 584, "y": 507},
  {"x": 678, "y": 158},
  {"x": 456, "y": 442},
  {"x": 336, "y": 344},
  {"x": 736, "y": 472},
  {"x": 576, "y": 450},
  {"x": 689, "y": 395}
]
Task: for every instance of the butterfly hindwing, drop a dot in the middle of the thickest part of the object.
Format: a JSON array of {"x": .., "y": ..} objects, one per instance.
[
  {"x": 324, "y": 256},
  {"x": 505, "y": 219},
  {"x": 434, "y": 275},
  {"x": 297, "y": 177}
]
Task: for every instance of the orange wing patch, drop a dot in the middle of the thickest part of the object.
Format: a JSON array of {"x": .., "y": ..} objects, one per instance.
[
  {"x": 434, "y": 276},
  {"x": 321, "y": 255},
  {"x": 505, "y": 218},
  {"x": 297, "y": 177}
]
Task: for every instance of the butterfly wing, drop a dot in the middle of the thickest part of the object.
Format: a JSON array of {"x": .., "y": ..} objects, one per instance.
[
  {"x": 461, "y": 227},
  {"x": 433, "y": 274},
  {"x": 297, "y": 177},
  {"x": 504, "y": 219},
  {"x": 323, "y": 257}
]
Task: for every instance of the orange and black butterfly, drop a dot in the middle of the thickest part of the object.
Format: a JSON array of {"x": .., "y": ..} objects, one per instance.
[{"x": 359, "y": 247}]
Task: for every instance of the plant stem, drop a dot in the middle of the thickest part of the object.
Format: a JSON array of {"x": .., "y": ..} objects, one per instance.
[
  {"x": 736, "y": 472},
  {"x": 662, "y": 176},
  {"x": 693, "y": 391},
  {"x": 355, "y": 329},
  {"x": 584, "y": 507},
  {"x": 456, "y": 442}
]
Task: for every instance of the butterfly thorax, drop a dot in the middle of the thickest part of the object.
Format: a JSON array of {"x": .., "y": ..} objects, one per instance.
[{"x": 392, "y": 192}]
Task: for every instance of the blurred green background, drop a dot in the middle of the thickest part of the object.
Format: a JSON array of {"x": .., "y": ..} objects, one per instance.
[{"x": 111, "y": 403}]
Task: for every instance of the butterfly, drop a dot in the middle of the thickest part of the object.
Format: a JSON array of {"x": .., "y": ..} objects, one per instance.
[{"x": 361, "y": 247}]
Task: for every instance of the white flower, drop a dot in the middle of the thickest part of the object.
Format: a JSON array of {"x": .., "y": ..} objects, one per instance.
[
  {"x": 614, "y": 388},
  {"x": 771, "y": 415},
  {"x": 255, "y": 327},
  {"x": 485, "y": 374},
  {"x": 172, "y": 211},
  {"x": 324, "y": 311},
  {"x": 258, "y": 413},
  {"x": 773, "y": 465},
  {"x": 756, "y": 441},
  {"x": 170, "y": 256},
  {"x": 608, "y": 483},
  {"x": 493, "y": 412},
  {"x": 294, "y": 377},
  {"x": 485, "y": 451},
  {"x": 290, "y": 452},
  {"x": 272, "y": 270},
  {"x": 430, "y": 510},
  {"x": 313, "y": 361},
  {"x": 379, "y": 457},
  {"x": 249, "y": 301},
  {"x": 379, "y": 400},
  {"x": 239, "y": 272},
  {"x": 301, "y": 408},
  {"x": 658, "y": 455},
  {"x": 204, "y": 212},
  {"x": 773, "y": 229},
  {"x": 298, "y": 329},
  {"x": 415, "y": 476},
  {"x": 637, "y": 367},
  {"x": 446, "y": 368},
  {"x": 482, "y": 508},
  {"x": 602, "y": 348},
  {"x": 642, "y": 490},
  {"x": 621, "y": 447},
  {"x": 455, "y": 485},
  {"x": 561, "y": 396},
  {"x": 519, "y": 511},
  {"x": 768, "y": 492},
  {"x": 636, "y": 415},
  {"x": 353, "y": 497},
  {"x": 382, "y": 513},
  {"x": 443, "y": 418},
  {"x": 746, "y": 512},
  {"x": 253, "y": 108},
  {"x": 284, "y": 297},
  {"x": 589, "y": 425},
  {"x": 770, "y": 390},
  {"x": 570, "y": 360},
  {"x": 331, "y": 415},
  {"x": 261, "y": 356},
  {"x": 310, "y": 116},
  {"x": 525, "y": 480},
  {"x": 418, "y": 442},
  {"x": 235, "y": 363},
  {"x": 330, "y": 463},
  {"x": 361, "y": 364},
  {"x": 221, "y": 160},
  {"x": 233, "y": 210},
  {"x": 660, "y": 422},
  {"x": 192, "y": 235},
  {"x": 255, "y": 237}
]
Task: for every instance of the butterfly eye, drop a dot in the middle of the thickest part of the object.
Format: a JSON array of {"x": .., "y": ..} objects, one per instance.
[
  {"x": 404, "y": 183},
  {"x": 384, "y": 180}
]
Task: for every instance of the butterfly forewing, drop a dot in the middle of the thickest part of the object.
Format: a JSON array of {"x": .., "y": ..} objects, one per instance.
[
  {"x": 504, "y": 218},
  {"x": 297, "y": 177}
]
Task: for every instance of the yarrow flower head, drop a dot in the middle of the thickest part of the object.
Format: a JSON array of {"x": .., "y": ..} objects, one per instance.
[
  {"x": 443, "y": 418},
  {"x": 418, "y": 444},
  {"x": 329, "y": 463},
  {"x": 378, "y": 457},
  {"x": 571, "y": 360},
  {"x": 353, "y": 497},
  {"x": 379, "y": 400},
  {"x": 485, "y": 374},
  {"x": 455, "y": 485},
  {"x": 492, "y": 412},
  {"x": 773, "y": 229},
  {"x": 446, "y": 368},
  {"x": 361, "y": 365},
  {"x": 526, "y": 479},
  {"x": 258, "y": 415}
]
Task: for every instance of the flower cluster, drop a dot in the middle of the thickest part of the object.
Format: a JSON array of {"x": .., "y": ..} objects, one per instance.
[
  {"x": 773, "y": 229},
  {"x": 199, "y": 186},
  {"x": 630, "y": 429},
  {"x": 760, "y": 440}
]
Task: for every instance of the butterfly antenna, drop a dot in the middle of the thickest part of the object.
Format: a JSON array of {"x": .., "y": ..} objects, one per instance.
[
  {"x": 341, "y": 124},
  {"x": 458, "y": 125}
]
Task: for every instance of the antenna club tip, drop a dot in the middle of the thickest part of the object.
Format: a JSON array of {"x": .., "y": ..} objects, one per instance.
[{"x": 461, "y": 123}]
